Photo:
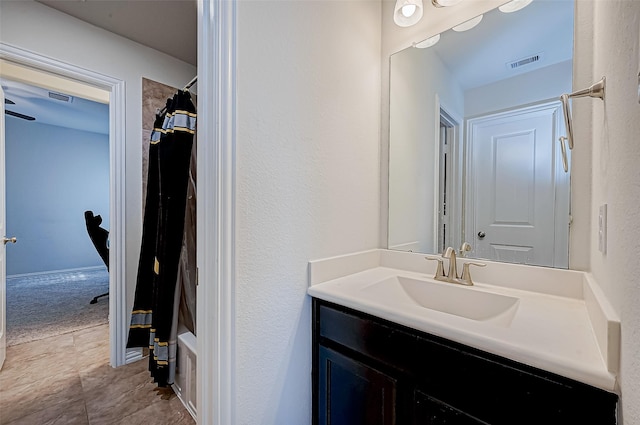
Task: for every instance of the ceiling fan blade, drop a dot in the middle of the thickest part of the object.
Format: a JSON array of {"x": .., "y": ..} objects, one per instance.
[{"x": 18, "y": 115}]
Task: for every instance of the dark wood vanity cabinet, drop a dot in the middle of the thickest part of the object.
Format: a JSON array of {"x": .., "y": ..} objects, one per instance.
[{"x": 369, "y": 371}]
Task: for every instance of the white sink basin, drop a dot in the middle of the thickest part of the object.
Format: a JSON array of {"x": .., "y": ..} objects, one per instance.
[{"x": 444, "y": 297}]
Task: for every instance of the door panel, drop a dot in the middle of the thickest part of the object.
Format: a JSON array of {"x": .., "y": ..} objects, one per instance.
[
  {"x": 352, "y": 393},
  {"x": 513, "y": 183}
]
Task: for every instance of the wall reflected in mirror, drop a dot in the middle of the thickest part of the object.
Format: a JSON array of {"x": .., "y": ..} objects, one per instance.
[{"x": 474, "y": 153}]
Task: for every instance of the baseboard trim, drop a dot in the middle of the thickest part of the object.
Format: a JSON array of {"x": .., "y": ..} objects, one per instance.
[{"x": 77, "y": 269}]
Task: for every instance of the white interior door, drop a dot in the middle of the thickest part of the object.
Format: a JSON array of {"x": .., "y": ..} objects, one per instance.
[
  {"x": 3, "y": 267},
  {"x": 514, "y": 186}
]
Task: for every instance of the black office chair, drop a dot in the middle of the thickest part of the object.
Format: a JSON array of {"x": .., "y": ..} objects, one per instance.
[{"x": 99, "y": 237}]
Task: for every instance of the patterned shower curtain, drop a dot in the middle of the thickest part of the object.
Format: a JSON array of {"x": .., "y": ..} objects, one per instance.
[{"x": 158, "y": 292}]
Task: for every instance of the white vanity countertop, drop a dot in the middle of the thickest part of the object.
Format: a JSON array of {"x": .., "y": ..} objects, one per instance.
[{"x": 563, "y": 323}]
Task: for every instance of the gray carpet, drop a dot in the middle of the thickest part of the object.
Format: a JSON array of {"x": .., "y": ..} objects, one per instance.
[{"x": 44, "y": 305}]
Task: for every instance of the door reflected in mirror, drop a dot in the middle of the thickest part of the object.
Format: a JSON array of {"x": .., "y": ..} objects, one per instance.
[{"x": 474, "y": 153}]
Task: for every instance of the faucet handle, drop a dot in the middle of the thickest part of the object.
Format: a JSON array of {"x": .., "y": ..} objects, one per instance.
[
  {"x": 466, "y": 274},
  {"x": 440, "y": 267}
]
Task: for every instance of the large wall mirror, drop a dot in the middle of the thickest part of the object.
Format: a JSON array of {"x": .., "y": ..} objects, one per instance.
[{"x": 474, "y": 151}]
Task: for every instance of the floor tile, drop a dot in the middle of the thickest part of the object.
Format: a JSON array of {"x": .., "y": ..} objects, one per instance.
[
  {"x": 21, "y": 353},
  {"x": 105, "y": 408},
  {"x": 67, "y": 380},
  {"x": 166, "y": 412},
  {"x": 35, "y": 370},
  {"x": 18, "y": 402},
  {"x": 70, "y": 413}
]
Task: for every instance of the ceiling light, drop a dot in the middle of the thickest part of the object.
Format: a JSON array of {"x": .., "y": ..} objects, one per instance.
[
  {"x": 407, "y": 12},
  {"x": 428, "y": 42},
  {"x": 445, "y": 3},
  {"x": 514, "y": 6}
]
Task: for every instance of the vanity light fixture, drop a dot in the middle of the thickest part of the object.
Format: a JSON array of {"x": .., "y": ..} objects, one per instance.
[
  {"x": 514, "y": 6},
  {"x": 445, "y": 3},
  {"x": 428, "y": 42},
  {"x": 468, "y": 24},
  {"x": 407, "y": 12}
]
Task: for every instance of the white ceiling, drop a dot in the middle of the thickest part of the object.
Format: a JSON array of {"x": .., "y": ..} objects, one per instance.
[
  {"x": 170, "y": 26},
  {"x": 479, "y": 56},
  {"x": 79, "y": 114}
]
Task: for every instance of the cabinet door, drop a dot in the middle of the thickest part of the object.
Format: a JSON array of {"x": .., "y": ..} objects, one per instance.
[
  {"x": 429, "y": 411},
  {"x": 352, "y": 393}
]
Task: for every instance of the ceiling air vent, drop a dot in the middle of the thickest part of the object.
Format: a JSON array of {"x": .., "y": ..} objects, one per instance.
[
  {"x": 524, "y": 61},
  {"x": 61, "y": 97}
]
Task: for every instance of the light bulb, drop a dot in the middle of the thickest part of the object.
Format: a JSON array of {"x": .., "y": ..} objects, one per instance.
[{"x": 408, "y": 10}]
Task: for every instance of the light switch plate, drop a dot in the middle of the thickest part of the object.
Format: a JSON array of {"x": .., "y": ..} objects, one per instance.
[{"x": 602, "y": 229}]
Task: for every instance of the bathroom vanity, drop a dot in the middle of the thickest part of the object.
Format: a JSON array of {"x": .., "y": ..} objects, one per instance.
[
  {"x": 523, "y": 354},
  {"x": 372, "y": 371}
]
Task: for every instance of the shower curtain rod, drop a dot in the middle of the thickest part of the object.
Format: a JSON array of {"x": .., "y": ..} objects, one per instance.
[
  {"x": 190, "y": 83},
  {"x": 185, "y": 88}
]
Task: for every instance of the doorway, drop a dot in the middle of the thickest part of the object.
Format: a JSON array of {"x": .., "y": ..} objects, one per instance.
[
  {"x": 34, "y": 68},
  {"x": 448, "y": 140},
  {"x": 57, "y": 167}
]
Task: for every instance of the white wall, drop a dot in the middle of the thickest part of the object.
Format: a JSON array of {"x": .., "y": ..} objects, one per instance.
[
  {"x": 308, "y": 93},
  {"x": 418, "y": 80},
  {"x": 535, "y": 86},
  {"x": 53, "y": 175},
  {"x": 615, "y": 179},
  {"x": 37, "y": 28}
]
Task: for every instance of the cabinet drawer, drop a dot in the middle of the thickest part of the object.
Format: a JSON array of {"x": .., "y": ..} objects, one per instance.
[{"x": 368, "y": 337}]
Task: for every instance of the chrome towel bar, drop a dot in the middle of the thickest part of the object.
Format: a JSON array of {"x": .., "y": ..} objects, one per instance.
[{"x": 596, "y": 91}]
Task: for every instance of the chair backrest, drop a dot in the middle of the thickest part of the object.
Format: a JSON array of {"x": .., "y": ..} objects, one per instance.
[{"x": 98, "y": 235}]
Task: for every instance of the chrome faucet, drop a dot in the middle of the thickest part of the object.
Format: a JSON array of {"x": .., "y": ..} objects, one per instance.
[
  {"x": 452, "y": 275},
  {"x": 450, "y": 253}
]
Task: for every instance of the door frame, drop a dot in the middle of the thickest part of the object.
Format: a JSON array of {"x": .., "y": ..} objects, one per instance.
[
  {"x": 117, "y": 245},
  {"x": 217, "y": 35},
  {"x": 215, "y": 322},
  {"x": 457, "y": 174}
]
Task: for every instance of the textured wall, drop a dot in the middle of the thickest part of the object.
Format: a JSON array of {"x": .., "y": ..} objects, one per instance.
[
  {"x": 35, "y": 27},
  {"x": 307, "y": 182},
  {"x": 53, "y": 176},
  {"x": 616, "y": 177}
]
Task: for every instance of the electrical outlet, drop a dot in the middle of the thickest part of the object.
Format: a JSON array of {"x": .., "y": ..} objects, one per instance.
[{"x": 602, "y": 229}]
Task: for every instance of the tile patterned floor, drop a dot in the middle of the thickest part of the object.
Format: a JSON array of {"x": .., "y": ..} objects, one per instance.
[{"x": 66, "y": 379}]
